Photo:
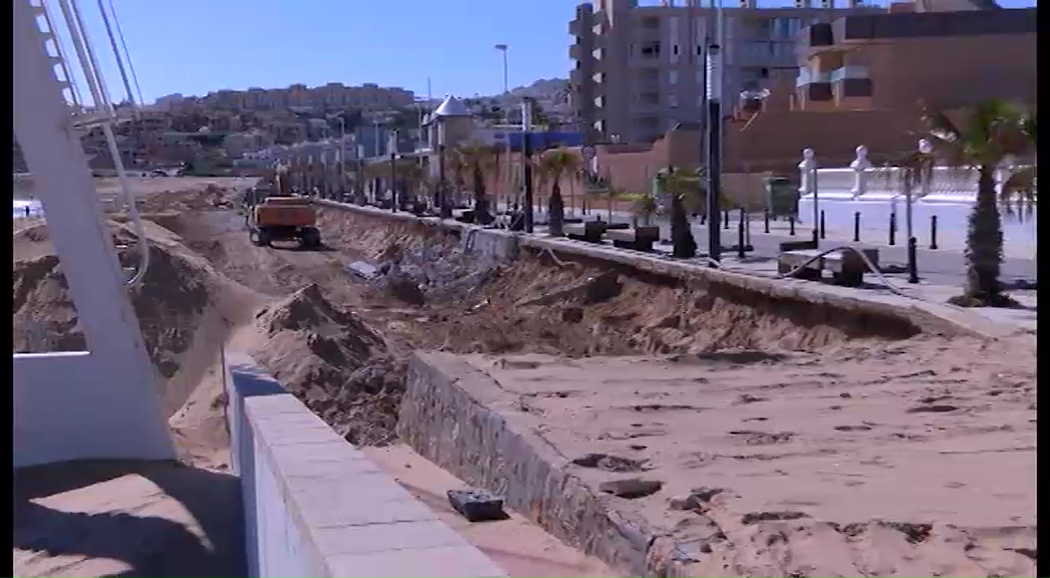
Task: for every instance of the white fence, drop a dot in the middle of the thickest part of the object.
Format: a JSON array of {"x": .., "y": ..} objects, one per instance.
[{"x": 876, "y": 193}]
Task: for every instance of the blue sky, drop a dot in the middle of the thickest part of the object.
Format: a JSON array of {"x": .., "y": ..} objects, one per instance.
[{"x": 196, "y": 46}]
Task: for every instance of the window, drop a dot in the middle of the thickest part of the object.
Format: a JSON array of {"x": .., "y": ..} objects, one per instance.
[
  {"x": 672, "y": 77},
  {"x": 672, "y": 100},
  {"x": 650, "y": 50}
]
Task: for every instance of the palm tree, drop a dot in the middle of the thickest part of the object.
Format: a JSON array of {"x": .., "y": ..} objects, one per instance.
[
  {"x": 554, "y": 165},
  {"x": 478, "y": 160},
  {"x": 990, "y": 133},
  {"x": 687, "y": 195},
  {"x": 412, "y": 175}
]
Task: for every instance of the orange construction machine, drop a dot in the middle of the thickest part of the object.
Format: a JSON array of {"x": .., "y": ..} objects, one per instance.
[{"x": 277, "y": 215}]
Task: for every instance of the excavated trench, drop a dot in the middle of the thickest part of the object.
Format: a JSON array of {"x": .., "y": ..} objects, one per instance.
[{"x": 341, "y": 328}]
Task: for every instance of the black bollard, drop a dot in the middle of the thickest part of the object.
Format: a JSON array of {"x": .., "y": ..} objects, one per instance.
[
  {"x": 856, "y": 227},
  {"x": 823, "y": 233},
  {"x": 791, "y": 226},
  {"x": 913, "y": 266},
  {"x": 725, "y": 220},
  {"x": 933, "y": 231},
  {"x": 893, "y": 229},
  {"x": 765, "y": 218},
  {"x": 740, "y": 241}
]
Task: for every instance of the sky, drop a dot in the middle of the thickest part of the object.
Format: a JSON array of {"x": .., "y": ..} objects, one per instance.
[{"x": 197, "y": 46}]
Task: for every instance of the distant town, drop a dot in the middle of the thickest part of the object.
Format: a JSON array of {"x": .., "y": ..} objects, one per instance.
[{"x": 223, "y": 132}]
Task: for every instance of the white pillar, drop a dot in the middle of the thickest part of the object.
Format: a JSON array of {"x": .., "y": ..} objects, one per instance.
[
  {"x": 102, "y": 403},
  {"x": 860, "y": 166}
]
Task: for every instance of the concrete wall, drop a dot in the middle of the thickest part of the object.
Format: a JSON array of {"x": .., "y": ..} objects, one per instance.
[
  {"x": 315, "y": 506},
  {"x": 59, "y": 417}
]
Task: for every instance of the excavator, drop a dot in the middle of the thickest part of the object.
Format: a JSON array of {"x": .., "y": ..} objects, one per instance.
[{"x": 276, "y": 213}]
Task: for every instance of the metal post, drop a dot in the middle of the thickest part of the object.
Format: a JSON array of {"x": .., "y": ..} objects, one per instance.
[
  {"x": 714, "y": 153},
  {"x": 526, "y": 145},
  {"x": 392, "y": 145},
  {"x": 740, "y": 241},
  {"x": 444, "y": 211},
  {"x": 823, "y": 232},
  {"x": 913, "y": 266},
  {"x": 527, "y": 152},
  {"x": 893, "y": 229},
  {"x": 933, "y": 232},
  {"x": 791, "y": 225},
  {"x": 856, "y": 227},
  {"x": 808, "y": 172},
  {"x": 765, "y": 219}
]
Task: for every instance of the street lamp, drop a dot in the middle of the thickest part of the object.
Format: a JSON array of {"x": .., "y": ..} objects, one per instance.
[
  {"x": 506, "y": 88},
  {"x": 444, "y": 211},
  {"x": 361, "y": 175},
  {"x": 809, "y": 169},
  {"x": 526, "y": 151},
  {"x": 925, "y": 150},
  {"x": 391, "y": 145},
  {"x": 714, "y": 154}
]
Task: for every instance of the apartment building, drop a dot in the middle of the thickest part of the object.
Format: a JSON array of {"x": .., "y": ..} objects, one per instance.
[
  {"x": 943, "y": 53},
  {"x": 640, "y": 68}
]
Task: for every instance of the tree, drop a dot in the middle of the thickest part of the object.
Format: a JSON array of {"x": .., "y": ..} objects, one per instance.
[
  {"x": 989, "y": 134},
  {"x": 478, "y": 159},
  {"x": 554, "y": 165},
  {"x": 411, "y": 174}
]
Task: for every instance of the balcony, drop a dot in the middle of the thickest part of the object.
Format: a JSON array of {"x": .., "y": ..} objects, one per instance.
[{"x": 807, "y": 77}]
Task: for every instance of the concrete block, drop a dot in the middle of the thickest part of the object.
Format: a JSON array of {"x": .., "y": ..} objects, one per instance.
[{"x": 477, "y": 505}]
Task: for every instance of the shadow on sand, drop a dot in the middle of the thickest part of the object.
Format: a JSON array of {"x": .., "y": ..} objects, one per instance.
[{"x": 149, "y": 544}]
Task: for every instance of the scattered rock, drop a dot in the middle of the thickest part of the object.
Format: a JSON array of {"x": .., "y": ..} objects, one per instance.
[
  {"x": 748, "y": 398},
  {"x": 936, "y": 408},
  {"x": 610, "y": 463},
  {"x": 915, "y": 533},
  {"x": 602, "y": 288},
  {"x": 696, "y": 499},
  {"x": 631, "y": 488},
  {"x": 572, "y": 315},
  {"x": 406, "y": 290},
  {"x": 477, "y": 505},
  {"x": 755, "y": 517}
]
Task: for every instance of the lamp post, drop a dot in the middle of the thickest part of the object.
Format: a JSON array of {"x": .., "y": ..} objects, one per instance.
[
  {"x": 714, "y": 153},
  {"x": 443, "y": 209},
  {"x": 925, "y": 150},
  {"x": 391, "y": 145},
  {"x": 809, "y": 168},
  {"x": 526, "y": 150},
  {"x": 506, "y": 88},
  {"x": 342, "y": 155}
]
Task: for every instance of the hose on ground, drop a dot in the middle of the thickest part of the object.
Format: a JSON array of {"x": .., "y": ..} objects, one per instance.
[{"x": 871, "y": 267}]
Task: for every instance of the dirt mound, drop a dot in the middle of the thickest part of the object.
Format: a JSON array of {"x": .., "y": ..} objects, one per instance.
[
  {"x": 332, "y": 361},
  {"x": 177, "y": 292}
]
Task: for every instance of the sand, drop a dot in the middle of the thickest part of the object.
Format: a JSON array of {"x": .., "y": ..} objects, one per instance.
[
  {"x": 517, "y": 545},
  {"x": 918, "y": 460},
  {"x": 774, "y": 373}
]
